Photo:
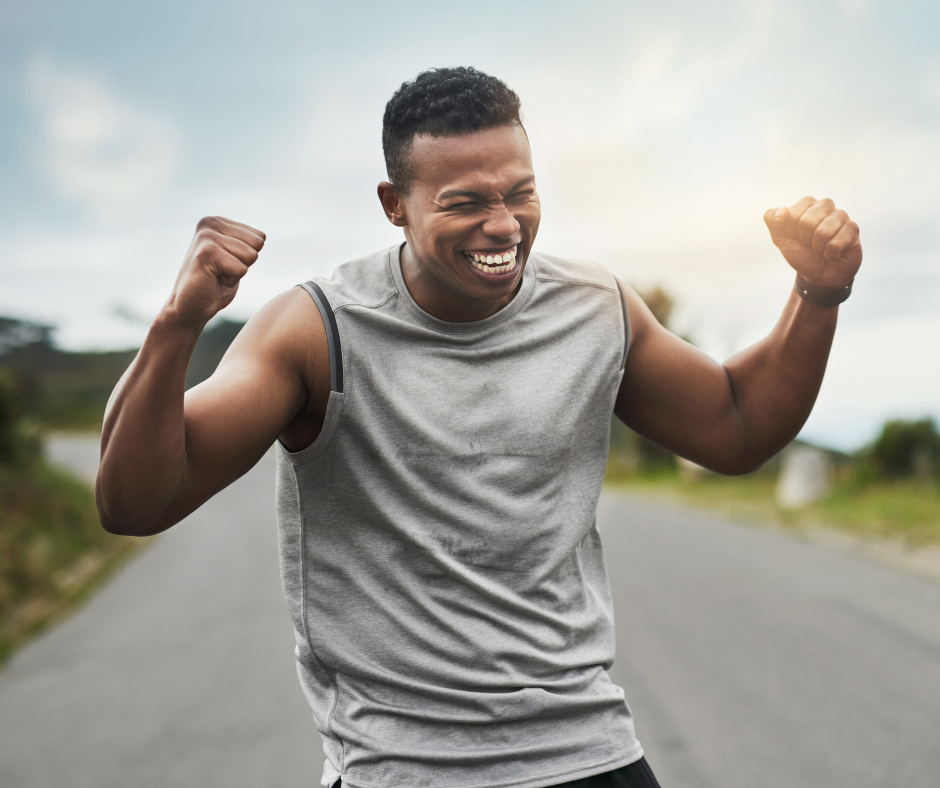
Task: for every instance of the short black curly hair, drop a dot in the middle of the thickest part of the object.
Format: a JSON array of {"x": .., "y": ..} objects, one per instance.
[{"x": 441, "y": 102}]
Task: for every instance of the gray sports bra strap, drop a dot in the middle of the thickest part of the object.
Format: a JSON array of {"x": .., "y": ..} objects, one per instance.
[{"x": 332, "y": 334}]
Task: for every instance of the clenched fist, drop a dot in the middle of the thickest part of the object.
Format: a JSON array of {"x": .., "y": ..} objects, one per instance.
[
  {"x": 819, "y": 241},
  {"x": 219, "y": 256}
]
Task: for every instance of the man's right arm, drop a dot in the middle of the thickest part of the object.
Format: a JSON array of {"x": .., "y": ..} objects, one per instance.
[{"x": 165, "y": 451}]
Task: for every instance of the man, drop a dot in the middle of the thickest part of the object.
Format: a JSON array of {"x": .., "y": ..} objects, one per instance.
[{"x": 441, "y": 413}]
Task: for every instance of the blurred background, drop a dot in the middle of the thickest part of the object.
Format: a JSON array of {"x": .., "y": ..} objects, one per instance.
[{"x": 661, "y": 132}]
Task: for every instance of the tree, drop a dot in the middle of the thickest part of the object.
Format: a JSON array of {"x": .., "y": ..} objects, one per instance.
[
  {"x": 9, "y": 416},
  {"x": 18, "y": 446},
  {"x": 660, "y": 303},
  {"x": 907, "y": 448},
  {"x": 16, "y": 333}
]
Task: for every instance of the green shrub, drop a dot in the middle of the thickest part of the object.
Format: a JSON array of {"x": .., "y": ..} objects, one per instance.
[
  {"x": 907, "y": 448},
  {"x": 9, "y": 416},
  {"x": 20, "y": 443},
  {"x": 53, "y": 550}
]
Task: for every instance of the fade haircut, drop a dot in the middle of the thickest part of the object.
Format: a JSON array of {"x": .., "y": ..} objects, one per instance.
[{"x": 442, "y": 102}]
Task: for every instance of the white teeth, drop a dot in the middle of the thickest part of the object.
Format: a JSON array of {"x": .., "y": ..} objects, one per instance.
[
  {"x": 492, "y": 259},
  {"x": 494, "y": 269},
  {"x": 494, "y": 264}
]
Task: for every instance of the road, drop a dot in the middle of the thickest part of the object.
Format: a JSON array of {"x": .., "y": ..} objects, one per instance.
[
  {"x": 179, "y": 673},
  {"x": 749, "y": 658}
]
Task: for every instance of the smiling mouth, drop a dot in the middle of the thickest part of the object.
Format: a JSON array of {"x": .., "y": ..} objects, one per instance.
[{"x": 490, "y": 263}]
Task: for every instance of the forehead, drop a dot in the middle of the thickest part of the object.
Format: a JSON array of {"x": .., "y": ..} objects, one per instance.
[{"x": 489, "y": 157}]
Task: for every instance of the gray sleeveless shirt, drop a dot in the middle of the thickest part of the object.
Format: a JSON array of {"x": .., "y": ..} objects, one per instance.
[{"x": 439, "y": 553}]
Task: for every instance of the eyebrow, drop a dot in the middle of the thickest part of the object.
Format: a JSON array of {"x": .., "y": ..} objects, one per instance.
[{"x": 477, "y": 196}]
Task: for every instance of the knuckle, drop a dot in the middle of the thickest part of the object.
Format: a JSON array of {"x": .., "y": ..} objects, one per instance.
[{"x": 207, "y": 249}]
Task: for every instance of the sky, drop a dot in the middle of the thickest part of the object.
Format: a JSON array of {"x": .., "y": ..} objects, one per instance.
[{"x": 661, "y": 132}]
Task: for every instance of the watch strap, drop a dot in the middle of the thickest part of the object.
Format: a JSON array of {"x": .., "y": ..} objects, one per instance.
[{"x": 822, "y": 296}]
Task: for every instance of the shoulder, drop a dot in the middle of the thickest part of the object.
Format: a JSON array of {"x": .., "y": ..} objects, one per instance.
[
  {"x": 365, "y": 281},
  {"x": 287, "y": 331},
  {"x": 586, "y": 287},
  {"x": 583, "y": 273}
]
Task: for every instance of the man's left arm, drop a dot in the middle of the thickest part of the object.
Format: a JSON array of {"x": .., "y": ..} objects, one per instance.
[{"x": 733, "y": 417}]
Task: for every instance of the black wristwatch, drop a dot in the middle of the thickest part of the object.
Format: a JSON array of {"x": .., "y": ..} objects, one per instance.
[{"x": 822, "y": 296}]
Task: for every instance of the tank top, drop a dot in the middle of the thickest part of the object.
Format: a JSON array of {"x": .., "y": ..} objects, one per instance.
[{"x": 439, "y": 552}]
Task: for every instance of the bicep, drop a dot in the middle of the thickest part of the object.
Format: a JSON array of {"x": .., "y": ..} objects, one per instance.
[
  {"x": 674, "y": 394},
  {"x": 260, "y": 386}
]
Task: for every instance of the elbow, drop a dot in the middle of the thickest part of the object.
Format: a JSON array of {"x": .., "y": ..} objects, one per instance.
[
  {"x": 113, "y": 527},
  {"x": 739, "y": 463},
  {"x": 123, "y": 523},
  {"x": 742, "y": 452},
  {"x": 739, "y": 467},
  {"x": 124, "y": 527}
]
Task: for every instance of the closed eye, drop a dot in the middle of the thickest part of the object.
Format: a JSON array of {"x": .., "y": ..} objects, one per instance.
[{"x": 520, "y": 196}]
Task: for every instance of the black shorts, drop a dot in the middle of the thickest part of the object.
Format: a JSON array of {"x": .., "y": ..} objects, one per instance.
[{"x": 634, "y": 775}]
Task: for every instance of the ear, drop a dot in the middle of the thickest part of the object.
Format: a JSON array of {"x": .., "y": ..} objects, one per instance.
[{"x": 393, "y": 203}]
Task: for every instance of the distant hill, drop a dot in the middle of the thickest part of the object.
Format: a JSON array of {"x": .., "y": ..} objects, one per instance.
[
  {"x": 67, "y": 390},
  {"x": 210, "y": 348}
]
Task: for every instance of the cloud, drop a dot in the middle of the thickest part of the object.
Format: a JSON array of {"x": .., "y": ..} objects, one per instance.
[
  {"x": 667, "y": 76},
  {"x": 877, "y": 371},
  {"x": 857, "y": 8},
  {"x": 98, "y": 149}
]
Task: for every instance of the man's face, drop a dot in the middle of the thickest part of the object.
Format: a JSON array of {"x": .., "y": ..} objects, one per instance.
[{"x": 470, "y": 220}]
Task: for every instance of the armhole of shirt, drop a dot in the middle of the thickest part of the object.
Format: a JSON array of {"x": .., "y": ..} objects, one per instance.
[
  {"x": 626, "y": 323},
  {"x": 332, "y": 334}
]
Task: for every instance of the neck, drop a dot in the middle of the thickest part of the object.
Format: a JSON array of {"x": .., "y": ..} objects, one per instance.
[{"x": 446, "y": 300}]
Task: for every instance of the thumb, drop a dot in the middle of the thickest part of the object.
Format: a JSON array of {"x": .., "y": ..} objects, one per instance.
[{"x": 776, "y": 221}]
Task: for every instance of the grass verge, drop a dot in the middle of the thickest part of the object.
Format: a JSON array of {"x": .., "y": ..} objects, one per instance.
[
  {"x": 53, "y": 550},
  {"x": 906, "y": 511}
]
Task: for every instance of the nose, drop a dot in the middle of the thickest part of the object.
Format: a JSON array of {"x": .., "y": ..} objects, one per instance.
[{"x": 500, "y": 223}]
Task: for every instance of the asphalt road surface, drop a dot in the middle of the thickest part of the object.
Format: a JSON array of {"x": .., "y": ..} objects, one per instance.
[{"x": 749, "y": 659}]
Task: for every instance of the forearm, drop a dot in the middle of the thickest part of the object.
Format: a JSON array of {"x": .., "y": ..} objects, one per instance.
[
  {"x": 774, "y": 384},
  {"x": 733, "y": 417},
  {"x": 143, "y": 443}
]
